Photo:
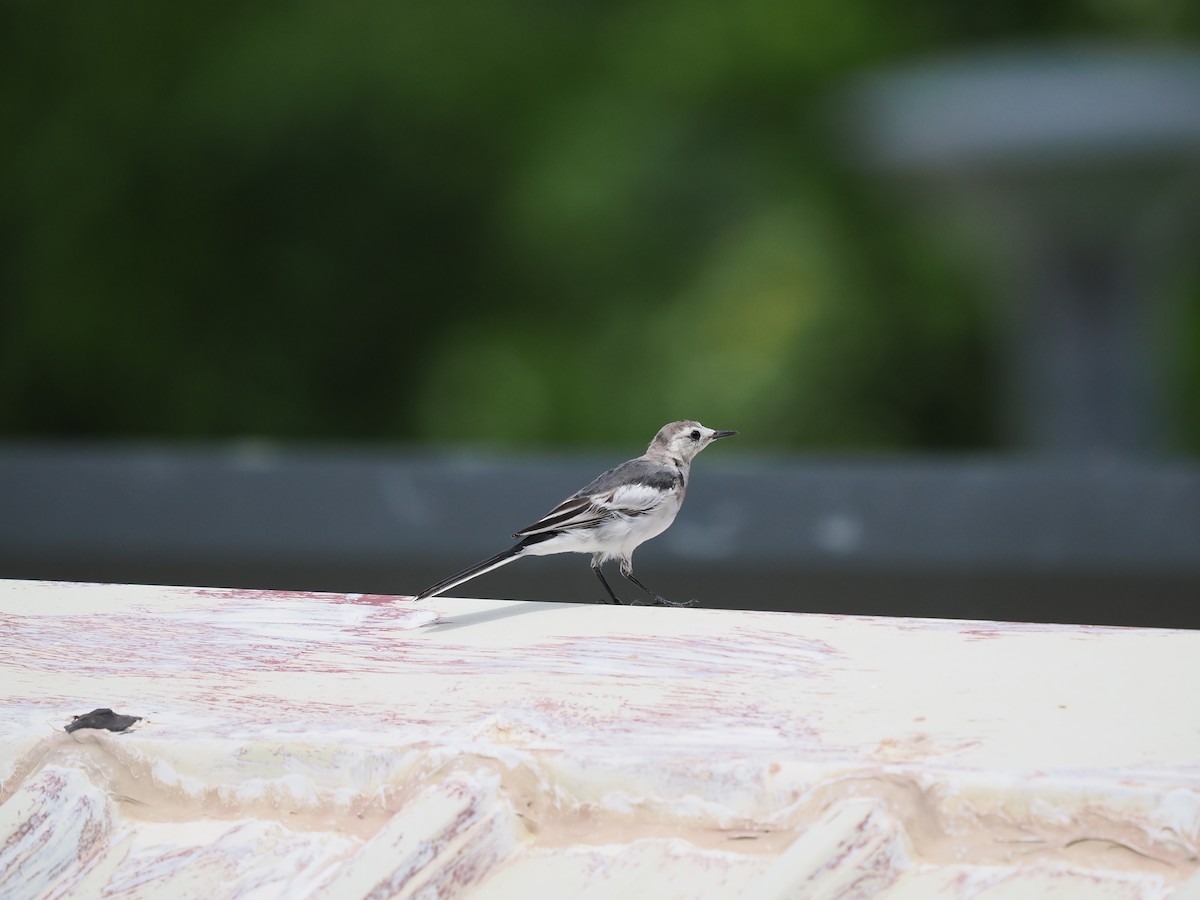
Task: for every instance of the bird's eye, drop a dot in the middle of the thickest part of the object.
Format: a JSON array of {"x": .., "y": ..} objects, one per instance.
[{"x": 695, "y": 435}]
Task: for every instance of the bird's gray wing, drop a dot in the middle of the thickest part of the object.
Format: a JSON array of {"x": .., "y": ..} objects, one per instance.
[
  {"x": 635, "y": 471},
  {"x": 576, "y": 511},
  {"x": 631, "y": 489}
]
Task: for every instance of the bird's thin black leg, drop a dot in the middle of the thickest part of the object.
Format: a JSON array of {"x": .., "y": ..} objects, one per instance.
[
  {"x": 603, "y": 581},
  {"x": 627, "y": 571}
]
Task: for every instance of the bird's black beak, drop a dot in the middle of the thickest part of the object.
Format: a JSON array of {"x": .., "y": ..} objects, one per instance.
[{"x": 721, "y": 434}]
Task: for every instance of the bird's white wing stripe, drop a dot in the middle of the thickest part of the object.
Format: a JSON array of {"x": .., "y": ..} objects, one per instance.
[{"x": 631, "y": 498}]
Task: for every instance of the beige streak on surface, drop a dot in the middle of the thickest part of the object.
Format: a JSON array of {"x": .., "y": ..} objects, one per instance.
[{"x": 340, "y": 745}]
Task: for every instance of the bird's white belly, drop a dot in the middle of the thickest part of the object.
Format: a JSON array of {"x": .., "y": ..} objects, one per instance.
[{"x": 615, "y": 539}]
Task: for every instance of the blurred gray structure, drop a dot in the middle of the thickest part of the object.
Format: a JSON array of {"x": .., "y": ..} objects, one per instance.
[
  {"x": 991, "y": 539},
  {"x": 1081, "y": 167}
]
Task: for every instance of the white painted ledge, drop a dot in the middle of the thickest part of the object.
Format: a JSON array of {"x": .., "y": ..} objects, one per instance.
[{"x": 352, "y": 746}]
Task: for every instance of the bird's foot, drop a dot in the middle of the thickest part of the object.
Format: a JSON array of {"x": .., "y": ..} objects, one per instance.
[{"x": 663, "y": 601}]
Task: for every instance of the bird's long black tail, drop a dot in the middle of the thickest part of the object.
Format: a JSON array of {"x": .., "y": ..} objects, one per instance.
[{"x": 505, "y": 556}]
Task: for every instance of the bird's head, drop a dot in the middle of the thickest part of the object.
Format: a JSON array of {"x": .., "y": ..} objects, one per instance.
[{"x": 683, "y": 440}]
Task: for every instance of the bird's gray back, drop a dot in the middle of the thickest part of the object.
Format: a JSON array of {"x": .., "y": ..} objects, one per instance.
[{"x": 635, "y": 471}]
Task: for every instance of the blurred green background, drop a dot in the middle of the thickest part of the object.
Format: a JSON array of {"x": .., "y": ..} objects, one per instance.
[{"x": 523, "y": 223}]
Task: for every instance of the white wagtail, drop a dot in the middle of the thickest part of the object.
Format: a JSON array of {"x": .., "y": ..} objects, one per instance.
[{"x": 610, "y": 517}]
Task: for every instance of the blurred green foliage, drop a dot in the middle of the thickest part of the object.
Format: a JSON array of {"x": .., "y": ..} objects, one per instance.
[{"x": 518, "y": 223}]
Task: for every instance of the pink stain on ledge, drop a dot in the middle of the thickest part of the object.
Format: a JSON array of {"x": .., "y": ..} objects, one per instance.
[{"x": 356, "y": 745}]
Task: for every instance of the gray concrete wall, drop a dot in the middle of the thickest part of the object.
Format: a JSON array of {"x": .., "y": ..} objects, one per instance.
[{"x": 1101, "y": 542}]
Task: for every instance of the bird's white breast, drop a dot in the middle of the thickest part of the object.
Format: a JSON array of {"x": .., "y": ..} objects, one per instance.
[{"x": 650, "y": 514}]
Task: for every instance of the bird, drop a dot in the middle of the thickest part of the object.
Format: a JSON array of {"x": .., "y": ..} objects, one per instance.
[{"x": 613, "y": 514}]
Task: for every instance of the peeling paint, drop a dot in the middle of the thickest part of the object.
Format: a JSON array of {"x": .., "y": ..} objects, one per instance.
[{"x": 341, "y": 745}]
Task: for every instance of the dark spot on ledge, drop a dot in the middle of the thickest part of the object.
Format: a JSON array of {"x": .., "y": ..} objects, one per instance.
[{"x": 102, "y": 718}]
